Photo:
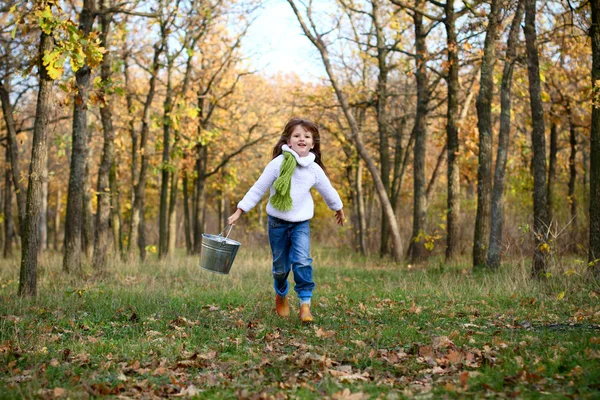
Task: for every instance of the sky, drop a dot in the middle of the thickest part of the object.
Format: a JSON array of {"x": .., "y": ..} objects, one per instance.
[{"x": 277, "y": 45}]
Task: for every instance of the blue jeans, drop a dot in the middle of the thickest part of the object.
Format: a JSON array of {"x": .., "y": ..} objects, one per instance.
[{"x": 290, "y": 245}]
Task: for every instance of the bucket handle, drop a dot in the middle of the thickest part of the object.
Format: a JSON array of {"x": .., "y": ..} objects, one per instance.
[{"x": 221, "y": 234}]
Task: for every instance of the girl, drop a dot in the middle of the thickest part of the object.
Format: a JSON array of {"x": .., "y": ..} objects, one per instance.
[{"x": 295, "y": 168}]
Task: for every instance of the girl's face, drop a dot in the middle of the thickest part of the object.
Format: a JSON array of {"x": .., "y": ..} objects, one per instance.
[{"x": 301, "y": 141}]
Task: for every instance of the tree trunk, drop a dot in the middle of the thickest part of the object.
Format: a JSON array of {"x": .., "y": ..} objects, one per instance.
[
  {"x": 417, "y": 248},
  {"x": 88, "y": 211},
  {"x": 135, "y": 162},
  {"x": 3, "y": 191},
  {"x": 382, "y": 123},
  {"x": 436, "y": 171},
  {"x": 13, "y": 150},
  {"x": 552, "y": 168},
  {"x": 453, "y": 208},
  {"x": 142, "y": 231},
  {"x": 173, "y": 212},
  {"x": 400, "y": 155},
  {"x": 594, "y": 252},
  {"x": 572, "y": 177},
  {"x": 163, "y": 242},
  {"x": 104, "y": 192},
  {"x": 57, "y": 219},
  {"x": 75, "y": 198},
  {"x": 354, "y": 136},
  {"x": 44, "y": 213},
  {"x": 186, "y": 215},
  {"x": 540, "y": 212},
  {"x": 200, "y": 189},
  {"x": 140, "y": 186},
  {"x": 497, "y": 208},
  {"x": 484, "y": 124},
  {"x": 115, "y": 211},
  {"x": 362, "y": 221},
  {"x": 8, "y": 224},
  {"x": 39, "y": 155}
]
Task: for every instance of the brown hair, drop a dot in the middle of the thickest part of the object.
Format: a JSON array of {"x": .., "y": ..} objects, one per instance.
[{"x": 308, "y": 126}]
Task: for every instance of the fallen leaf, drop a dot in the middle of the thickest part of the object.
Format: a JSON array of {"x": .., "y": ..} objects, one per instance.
[
  {"x": 189, "y": 391},
  {"x": 463, "y": 378},
  {"x": 323, "y": 334}
]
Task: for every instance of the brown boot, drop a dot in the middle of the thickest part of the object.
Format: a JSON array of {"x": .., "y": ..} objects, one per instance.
[
  {"x": 305, "y": 315},
  {"x": 281, "y": 306}
]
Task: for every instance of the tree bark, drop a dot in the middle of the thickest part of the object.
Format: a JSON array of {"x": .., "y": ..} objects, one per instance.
[
  {"x": 497, "y": 207},
  {"x": 135, "y": 159},
  {"x": 13, "y": 150},
  {"x": 104, "y": 192},
  {"x": 485, "y": 126},
  {"x": 57, "y": 219},
  {"x": 5, "y": 172},
  {"x": 173, "y": 212},
  {"x": 186, "y": 215},
  {"x": 39, "y": 156},
  {"x": 540, "y": 211},
  {"x": 552, "y": 167},
  {"x": 594, "y": 252},
  {"x": 44, "y": 212},
  {"x": 453, "y": 207},
  {"x": 8, "y": 224},
  {"x": 572, "y": 176},
  {"x": 75, "y": 198},
  {"x": 200, "y": 195},
  {"x": 88, "y": 211},
  {"x": 163, "y": 247},
  {"x": 417, "y": 246},
  {"x": 362, "y": 220},
  {"x": 382, "y": 117},
  {"x": 354, "y": 136},
  {"x": 115, "y": 211}
]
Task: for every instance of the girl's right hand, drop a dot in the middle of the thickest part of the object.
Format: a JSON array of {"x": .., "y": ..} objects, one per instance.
[{"x": 235, "y": 216}]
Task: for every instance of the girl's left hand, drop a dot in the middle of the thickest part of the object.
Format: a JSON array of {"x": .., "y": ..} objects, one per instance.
[{"x": 340, "y": 218}]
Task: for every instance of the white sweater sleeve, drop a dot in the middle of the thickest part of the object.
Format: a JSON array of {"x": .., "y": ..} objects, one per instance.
[
  {"x": 258, "y": 190},
  {"x": 324, "y": 187}
]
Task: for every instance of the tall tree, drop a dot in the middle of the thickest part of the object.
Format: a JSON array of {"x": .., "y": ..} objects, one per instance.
[
  {"x": 163, "y": 231},
  {"x": 39, "y": 154},
  {"x": 540, "y": 212},
  {"x": 453, "y": 199},
  {"x": 420, "y": 134},
  {"x": 497, "y": 207},
  {"x": 484, "y": 124},
  {"x": 384, "y": 69},
  {"x": 75, "y": 197},
  {"x": 594, "y": 252},
  {"x": 103, "y": 189}
]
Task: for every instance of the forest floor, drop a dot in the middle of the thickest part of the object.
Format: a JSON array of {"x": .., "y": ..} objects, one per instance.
[{"x": 168, "y": 328}]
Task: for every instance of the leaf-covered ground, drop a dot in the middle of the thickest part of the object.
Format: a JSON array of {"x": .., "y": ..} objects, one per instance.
[{"x": 167, "y": 329}]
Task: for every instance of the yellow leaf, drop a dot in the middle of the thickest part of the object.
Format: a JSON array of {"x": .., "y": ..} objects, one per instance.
[{"x": 560, "y": 296}]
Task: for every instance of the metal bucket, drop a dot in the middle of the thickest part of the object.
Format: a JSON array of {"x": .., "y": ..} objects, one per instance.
[{"x": 218, "y": 252}]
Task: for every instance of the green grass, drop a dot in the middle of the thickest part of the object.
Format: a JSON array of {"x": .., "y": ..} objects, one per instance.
[{"x": 166, "y": 328}]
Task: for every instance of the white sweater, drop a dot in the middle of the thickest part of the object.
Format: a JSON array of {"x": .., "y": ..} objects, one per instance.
[{"x": 306, "y": 175}]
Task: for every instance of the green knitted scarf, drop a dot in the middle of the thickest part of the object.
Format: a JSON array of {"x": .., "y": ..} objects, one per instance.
[{"x": 282, "y": 200}]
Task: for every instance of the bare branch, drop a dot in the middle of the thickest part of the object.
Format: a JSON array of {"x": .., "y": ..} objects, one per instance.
[{"x": 401, "y": 3}]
